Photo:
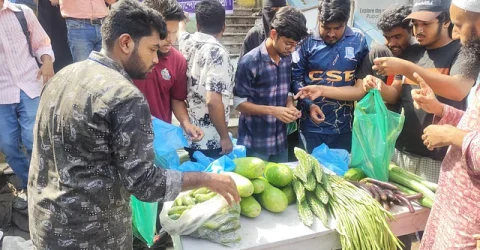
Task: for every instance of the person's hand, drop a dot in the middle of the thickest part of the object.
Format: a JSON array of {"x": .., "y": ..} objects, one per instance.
[
  {"x": 388, "y": 65},
  {"x": 286, "y": 114},
  {"x": 224, "y": 186},
  {"x": 425, "y": 99},
  {"x": 46, "y": 71},
  {"x": 437, "y": 136},
  {"x": 372, "y": 82},
  {"x": 54, "y": 2},
  {"x": 195, "y": 133},
  {"x": 227, "y": 146},
  {"x": 311, "y": 92},
  {"x": 316, "y": 114}
]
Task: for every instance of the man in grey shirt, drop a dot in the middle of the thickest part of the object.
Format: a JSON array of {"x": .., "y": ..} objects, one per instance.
[{"x": 93, "y": 142}]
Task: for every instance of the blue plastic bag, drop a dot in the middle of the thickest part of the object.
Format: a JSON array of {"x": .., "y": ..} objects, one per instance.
[
  {"x": 220, "y": 165},
  {"x": 168, "y": 138},
  {"x": 207, "y": 164},
  {"x": 336, "y": 160}
]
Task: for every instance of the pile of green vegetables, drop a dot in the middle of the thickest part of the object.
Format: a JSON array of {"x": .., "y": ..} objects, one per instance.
[
  {"x": 262, "y": 185},
  {"x": 311, "y": 188},
  {"x": 204, "y": 214},
  {"x": 402, "y": 188},
  {"x": 361, "y": 220}
]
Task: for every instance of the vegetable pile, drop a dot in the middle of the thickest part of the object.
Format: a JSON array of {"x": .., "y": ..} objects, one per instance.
[
  {"x": 403, "y": 188},
  {"x": 312, "y": 188},
  {"x": 203, "y": 214},
  {"x": 361, "y": 221},
  {"x": 261, "y": 184}
]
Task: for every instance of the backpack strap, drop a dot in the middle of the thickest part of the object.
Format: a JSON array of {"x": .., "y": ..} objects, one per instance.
[{"x": 23, "y": 22}]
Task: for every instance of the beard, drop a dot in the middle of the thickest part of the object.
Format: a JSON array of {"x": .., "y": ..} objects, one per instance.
[
  {"x": 135, "y": 68},
  {"x": 469, "y": 57}
]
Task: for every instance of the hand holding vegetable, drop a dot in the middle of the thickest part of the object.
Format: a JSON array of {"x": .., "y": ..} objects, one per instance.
[
  {"x": 219, "y": 183},
  {"x": 225, "y": 186}
]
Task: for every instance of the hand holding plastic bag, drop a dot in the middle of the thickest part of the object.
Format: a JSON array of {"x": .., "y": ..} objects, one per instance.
[
  {"x": 202, "y": 214},
  {"x": 375, "y": 131}
]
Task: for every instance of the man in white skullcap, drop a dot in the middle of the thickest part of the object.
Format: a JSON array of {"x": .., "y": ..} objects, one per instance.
[{"x": 454, "y": 221}]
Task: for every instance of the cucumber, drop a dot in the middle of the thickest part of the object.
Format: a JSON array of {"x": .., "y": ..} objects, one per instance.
[
  {"x": 250, "y": 207},
  {"x": 244, "y": 185},
  {"x": 355, "y": 174},
  {"x": 288, "y": 191},
  {"x": 258, "y": 186},
  {"x": 249, "y": 167},
  {"x": 272, "y": 199}
]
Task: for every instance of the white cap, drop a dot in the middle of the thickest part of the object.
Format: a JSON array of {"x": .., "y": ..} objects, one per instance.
[{"x": 468, "y": 5}]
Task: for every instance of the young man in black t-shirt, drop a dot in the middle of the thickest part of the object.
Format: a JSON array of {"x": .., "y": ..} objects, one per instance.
[{"x": 436, "y": 53}]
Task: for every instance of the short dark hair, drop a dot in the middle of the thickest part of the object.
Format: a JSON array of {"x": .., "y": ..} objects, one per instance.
[
  {"x": 210, "y": 15},
  {"x": 444, "y": 17},
  {"x": 171, "y": 10},
  {"x": 290, "y": 23},
  {"x": 131, "y": 17},
  {"x": 334, "y": 11},
  {"x": 394, "y": 16}
]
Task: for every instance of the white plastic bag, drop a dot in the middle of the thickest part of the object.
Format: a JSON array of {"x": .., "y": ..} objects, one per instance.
[{"x": 213, "y": 220}]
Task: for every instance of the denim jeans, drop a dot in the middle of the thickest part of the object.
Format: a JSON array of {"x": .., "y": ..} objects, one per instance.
[
  {"x": 281, "y": 157},
  {"x": 83, "y": 38},
  {"x": 16, "y": 128}
]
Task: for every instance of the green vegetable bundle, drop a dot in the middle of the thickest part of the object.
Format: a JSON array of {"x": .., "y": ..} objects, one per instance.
[
  {"x": 361, "y": 221},
  {"x": 202, "y": 214},
  {"x": 311, "y": 188}
]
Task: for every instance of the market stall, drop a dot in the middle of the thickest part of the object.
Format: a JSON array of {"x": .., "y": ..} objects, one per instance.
[
  {"x": 285, "y": 231},
  {"x": 289, "y": 229}
]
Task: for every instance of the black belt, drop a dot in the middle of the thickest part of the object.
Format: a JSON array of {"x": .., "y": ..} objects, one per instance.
[{"x": 97, "y": 21}]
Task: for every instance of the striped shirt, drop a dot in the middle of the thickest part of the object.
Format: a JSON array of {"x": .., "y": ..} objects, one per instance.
[{"x": 18, "y": 70}]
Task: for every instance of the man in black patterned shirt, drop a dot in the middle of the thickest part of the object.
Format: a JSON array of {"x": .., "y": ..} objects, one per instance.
[{"x": 93, "y": 142}]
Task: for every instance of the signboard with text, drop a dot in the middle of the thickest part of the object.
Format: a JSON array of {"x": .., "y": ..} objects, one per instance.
[
  {"x": 189, "y": 5},
  {"x": 371, "y": 9}
]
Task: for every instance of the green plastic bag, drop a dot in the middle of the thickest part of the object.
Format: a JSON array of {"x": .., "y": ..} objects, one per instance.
[
  {"x": 375, "y": 131},
  {"x": 144, "y": 219}
]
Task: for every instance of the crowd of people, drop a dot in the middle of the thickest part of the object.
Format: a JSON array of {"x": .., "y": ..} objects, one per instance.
[{"x": 81, "y": 83}]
